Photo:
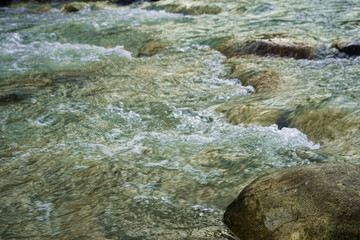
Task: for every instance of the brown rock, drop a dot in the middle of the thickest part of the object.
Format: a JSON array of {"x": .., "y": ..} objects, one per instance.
[
  {"x": 326, "y": 124},
  {"x": 310, "y": 202},
  {"x": 277, "y": 45},
  {"x": 44, "y": 9},
  {"x": 251, "y": 114},
  {"x": 196, "y": 10},
  {"x": 33, "y": 7},
  {"x": 261, "y": 80},
  {"x": 152, "y": 48},
  {"x": 73, "y": 7}
]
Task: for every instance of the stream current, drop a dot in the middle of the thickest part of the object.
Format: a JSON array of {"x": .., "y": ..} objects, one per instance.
[{"x": 99, "y": 141}]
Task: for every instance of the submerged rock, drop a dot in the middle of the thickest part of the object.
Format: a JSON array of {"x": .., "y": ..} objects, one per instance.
[
  {"x": 348, "y": 47},
  {"x": 185, "y": 8},
  {"x": 73, "y": 7},
  {"x": 125, "y": 2},
  {"x": 264, "y": 81},
  {"x": 317, "y": 201},
  {"x": 44, "y": 9},
  {"x": 93, "y": 5},
  {"x": 152, "y": 48},
  {"x": 277, "y": 45},
  {"x": 252, "y": 114},
  {"x": 325, "y": 124},
  {"x": 128, "y": 2},
  {"x": 261, "y": 80},
  {"x": 336, "y": 130},
  {"x": 33, "y": 7}
]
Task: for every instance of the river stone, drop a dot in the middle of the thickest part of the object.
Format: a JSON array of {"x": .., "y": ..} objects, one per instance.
[
  {"x": 189, "y": 8},
  {"x": 128, "y": 2},
  {"x": 317, "y": 201},
  {"x": 252, "y": 114},
  {"x": 33, "y": 7},
  {"x": 73, "y": 7},
  {"x": 152, "y": 48},
  {"x": 262, "y": 81},
  {"x": 277, "y": 45},
  {"x": 348, "y": 47},
  {"x": 324, "y": 125},
  {"x": 44, "y": 9}
]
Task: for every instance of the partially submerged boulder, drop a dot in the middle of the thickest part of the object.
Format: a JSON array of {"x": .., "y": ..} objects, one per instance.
[
  {"x": 276, "y": 45},
  {"x": 252, "y": 114},
  {"x": 189, "y": 8},
  {"x": 128, "y": 2},
  {"x": 152, "y": 48},
  {"x": 73, "y": 7},
  {"x": 33, "y": 7},
  {"x": 336, "y": 130},
  {"x": 324, "y": 125},
  {"x": 261, "y": 80},
  {"x": 317, "y": 201},
  {"x": 351, "y": 48}
]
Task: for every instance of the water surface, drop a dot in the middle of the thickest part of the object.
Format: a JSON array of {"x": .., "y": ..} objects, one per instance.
[{"x": 97, "y": 142}]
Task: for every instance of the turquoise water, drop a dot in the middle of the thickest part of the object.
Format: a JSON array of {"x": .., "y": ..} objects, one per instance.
[{"x": 100, "y": 142}]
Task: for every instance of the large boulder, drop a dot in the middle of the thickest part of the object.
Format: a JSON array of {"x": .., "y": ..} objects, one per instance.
[
  {"x": 317, "y": 201},
  {"x": 276, "y": 45}
]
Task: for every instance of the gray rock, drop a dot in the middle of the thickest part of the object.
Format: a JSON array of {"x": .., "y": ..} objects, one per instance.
[{"x": 317, "y": 201}]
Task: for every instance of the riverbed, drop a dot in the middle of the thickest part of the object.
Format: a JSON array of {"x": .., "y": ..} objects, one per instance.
[{"x": 112, "y": 118}]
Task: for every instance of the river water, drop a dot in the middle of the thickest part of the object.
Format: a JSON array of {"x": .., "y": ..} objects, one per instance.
[{"x": 100, "y": 140}]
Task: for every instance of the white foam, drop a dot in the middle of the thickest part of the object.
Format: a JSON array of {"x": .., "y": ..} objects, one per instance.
[{"x": 23, "y": 56}]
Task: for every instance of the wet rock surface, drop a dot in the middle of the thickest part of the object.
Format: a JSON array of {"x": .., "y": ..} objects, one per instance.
[
  {"x": 262, "y": 80},
  {"x": 351, "y": 48},
  {"x": 318, "y": 201},
  {"x": 325, "y": 124},
  {"x": 152, "y": 48},
  {"x": 276, "y": 45},
  {"x": 32, "y": 7},
  {"x": 251, "y": 114},
  {"x": 196, "y": 8},
  {"x": 73, "y": 7},
  {"x": 128, "y": 2}
]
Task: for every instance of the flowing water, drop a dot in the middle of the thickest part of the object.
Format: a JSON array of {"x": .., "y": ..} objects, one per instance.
[{"x": 100, "y": 140}]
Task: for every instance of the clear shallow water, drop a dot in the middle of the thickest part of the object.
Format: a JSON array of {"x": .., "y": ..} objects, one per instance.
[{"x": 97, "y": 143}]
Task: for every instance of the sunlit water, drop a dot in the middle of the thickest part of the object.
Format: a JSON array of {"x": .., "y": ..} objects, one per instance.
[{"x": 97, "y": 143}]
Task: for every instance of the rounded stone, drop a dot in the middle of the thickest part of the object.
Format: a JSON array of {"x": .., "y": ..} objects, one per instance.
[
  {"x": 276, "y": 45},
  {"x": 317, "y": 202}
]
